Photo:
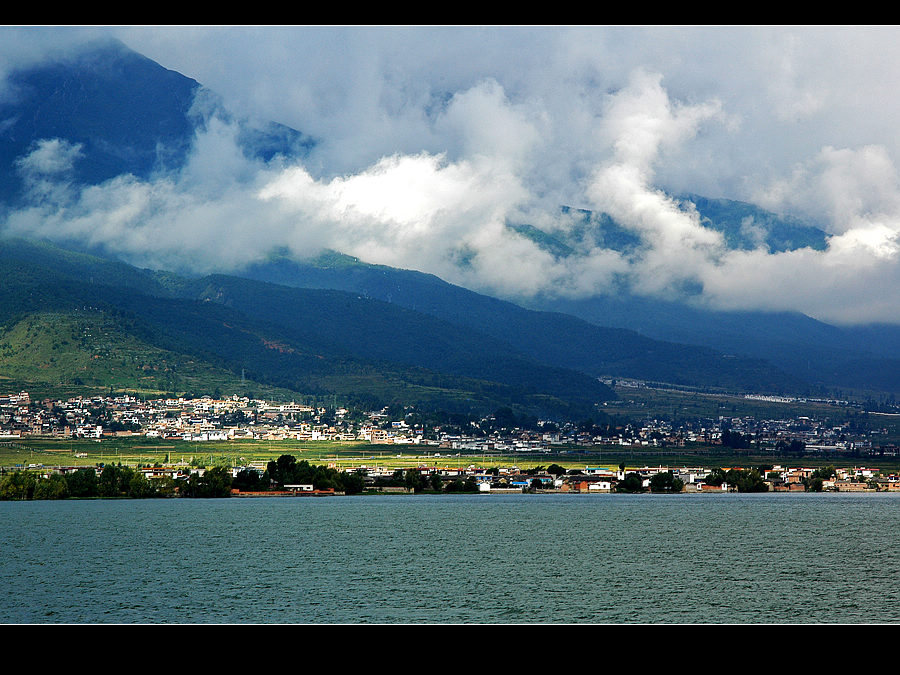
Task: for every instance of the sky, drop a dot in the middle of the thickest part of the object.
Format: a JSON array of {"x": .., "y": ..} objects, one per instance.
[{"x": 430, "y": 139}]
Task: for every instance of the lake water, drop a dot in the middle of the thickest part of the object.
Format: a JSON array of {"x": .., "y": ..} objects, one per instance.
[{"x": 730, "y": 558}]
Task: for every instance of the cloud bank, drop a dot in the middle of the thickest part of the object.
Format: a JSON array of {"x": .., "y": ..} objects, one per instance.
[{"x": 432, "y": 141}]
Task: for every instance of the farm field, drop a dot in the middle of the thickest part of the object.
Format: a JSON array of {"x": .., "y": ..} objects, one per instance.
[{"x": 147, "y": 452}]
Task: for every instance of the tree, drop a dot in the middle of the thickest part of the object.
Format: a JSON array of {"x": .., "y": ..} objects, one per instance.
[
  {"x": 164, "y": 486},
  {"x": 735, "y": 439},
  {"x": 82, "y": 483},
  {"x": 215, "y": 482},
  {"x": 556, "y": 470},
  {"x": 795, "y": 447},
  {"x": 825, "y": 473},
  {"x": 435, "y": 482},
  {"x": 815, "y": 484},
  {"x": 352, "y": 483},
  {"x": 633, "y": 483},
  {"x": 283, "y": 469},
  {"x": 218, "y": 480},
  {"x": 17, "y": 485},
  {"x": 746, "y": 481},
  {"x": 108, "y": 485},
  {"x": 249, "y": 480},
  {"x": 53, "y": 487},
  {"x": 414, "y": 480},
  {"x": 666, "y": 481},
  {"x": 715, "y": 477},
  {"x": 139, "y": 486},
  {"x": 457, "y": 485},
  {"x": 816, "y": 480}
]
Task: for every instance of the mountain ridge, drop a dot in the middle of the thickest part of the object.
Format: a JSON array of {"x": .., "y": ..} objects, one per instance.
[
  {"x": 151, "y": 130},
  {"x": 294, "y": 339}
]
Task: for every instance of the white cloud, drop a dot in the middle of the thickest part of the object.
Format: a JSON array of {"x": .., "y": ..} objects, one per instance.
[
  {"x": 430, "y": 140},
  {"x": 50, "y": 156},
  {"x": 46, "y": 169}
]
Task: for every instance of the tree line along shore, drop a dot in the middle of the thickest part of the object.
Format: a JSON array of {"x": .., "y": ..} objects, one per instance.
[{"x": 287, "y": 476}]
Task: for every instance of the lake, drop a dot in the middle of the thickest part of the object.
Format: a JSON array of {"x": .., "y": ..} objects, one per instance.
[{"x": 729, "y": 558}]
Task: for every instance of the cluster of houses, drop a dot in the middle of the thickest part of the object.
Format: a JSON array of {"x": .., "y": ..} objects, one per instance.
[
  {"x": 599, "y": 480},
  {"x": 604, "y": 480},
  {"x": 592, "y": 480},
  {"x": 240, "y": 418}
]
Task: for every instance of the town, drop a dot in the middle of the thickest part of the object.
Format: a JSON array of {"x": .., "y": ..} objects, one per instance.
[
  {"x": 241, "y": 418},
  {"x": 444, "y": 455}
]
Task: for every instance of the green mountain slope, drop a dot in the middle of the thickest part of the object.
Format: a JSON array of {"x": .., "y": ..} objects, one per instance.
[
  {"x": 562, "y": 340},
  {"x": 129, "y": 115},
  {"x": 96, "y": 351},
  {"x": 309, "y": 342}
]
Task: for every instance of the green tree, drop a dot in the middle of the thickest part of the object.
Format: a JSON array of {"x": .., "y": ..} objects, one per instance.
[
  {"x": 556, "y": 470},
  {"x": 352, "y": 483},
  {"x": 666, "y": 481},
  {"x": 814, "y": 484},
  {"x": 825, "y": 473},
  {"x": 82, "y": 483},
  {"x": 795, "y": 447},
  {"x": 52, "y": 487},
  {"x": 735, "y": 440},
  {"x": 455, "y": 485},
  {"x": 18, "y": 485},
  {"x": 715, "y": 477},
  {"x": 215, "y": 482},
  {"x": 458, "y": 485},
  {"x": 633, "y": 483},
  {"x": 414, "y": 480},
  {"x": 282, "y": 470},
  {"x": 108, "y": 484},
  {"x": 165, "y": 486},
  {"x": 746, "y": 481},
  {"x": 435, "y": 482},
  {"x": 218, "y": 480},
  {"x": 249, "y": 480},
  {"x": 139, "y": 486}
]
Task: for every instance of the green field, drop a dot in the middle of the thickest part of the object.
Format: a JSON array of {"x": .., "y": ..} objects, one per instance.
[
  {"x": 642, "y": 403},
  {"x": 634, "y": 404},
  {"x": 671, "y": 404},
  {"x": 139, "y": 451}
]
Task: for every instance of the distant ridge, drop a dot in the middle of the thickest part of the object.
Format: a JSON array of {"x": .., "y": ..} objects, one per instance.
[
  {"x": 126, "y": 114},
  {"x": 561, "y": 339},
  {"x": 311, "y": 342}
]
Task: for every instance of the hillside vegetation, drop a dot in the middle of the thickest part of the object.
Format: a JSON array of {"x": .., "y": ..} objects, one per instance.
[{"x": 71, "y": 318}]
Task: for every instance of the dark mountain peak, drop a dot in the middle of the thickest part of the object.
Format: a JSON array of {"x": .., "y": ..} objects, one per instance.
[
  {"x": 125, "y": 114},
  {"x": 744, "y": 226},
  {"x": 100, "y": 53},
  {"x": 747, "y": 226}
]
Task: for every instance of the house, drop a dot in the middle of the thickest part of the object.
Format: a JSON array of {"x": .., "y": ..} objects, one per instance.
[
  {"x": 301, "y": 487},
  {"x": 850, "y": 486}
]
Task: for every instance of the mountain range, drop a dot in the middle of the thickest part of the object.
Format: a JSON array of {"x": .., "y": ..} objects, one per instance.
[{"x": 336, "y": 326}]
